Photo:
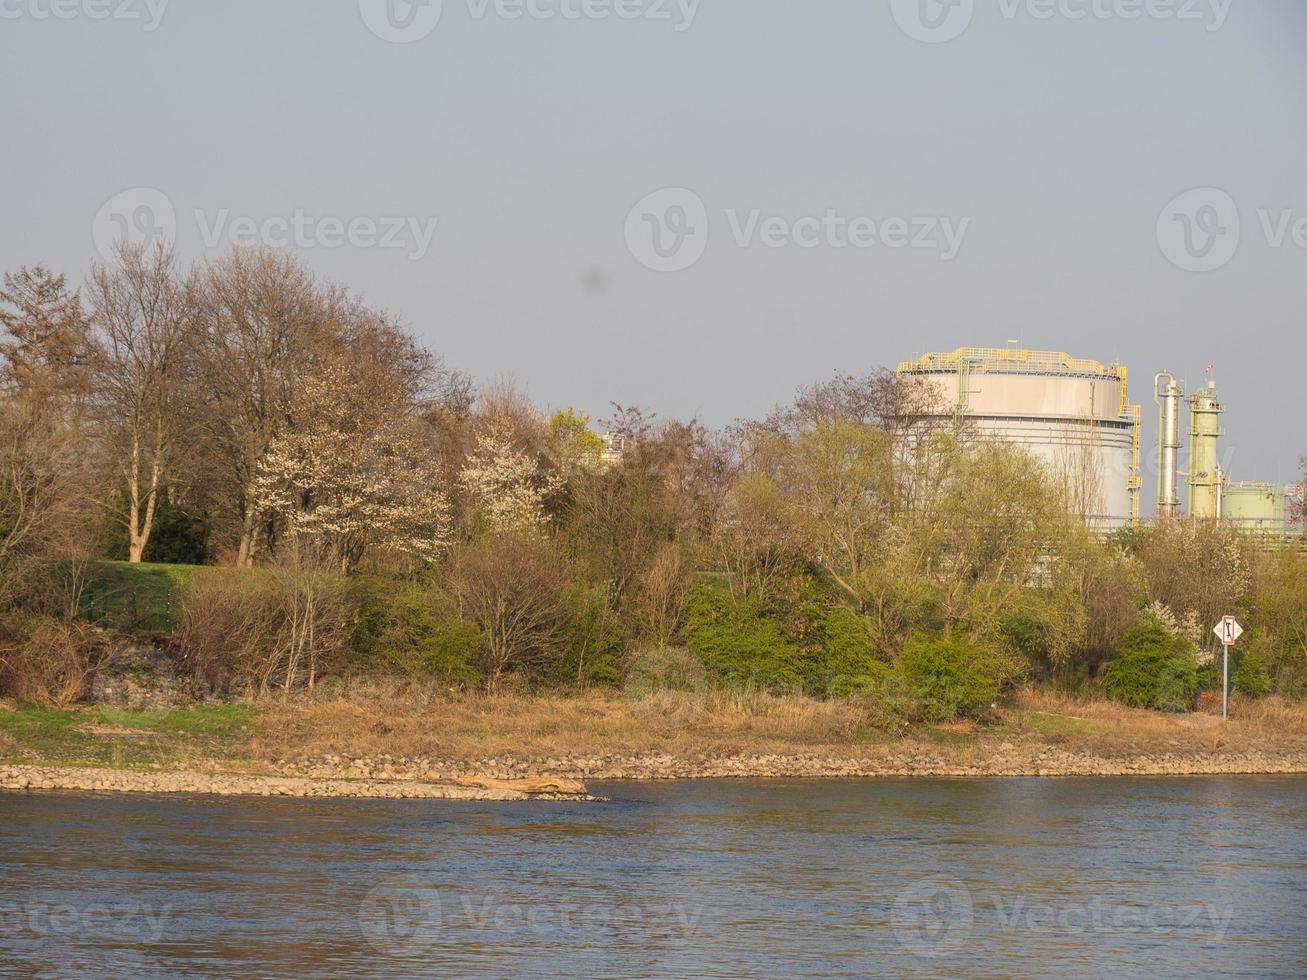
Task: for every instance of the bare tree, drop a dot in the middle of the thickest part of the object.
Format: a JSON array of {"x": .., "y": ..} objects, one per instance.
[
  {"x": 143, "y": 325},
  {"x": 263, "y": 320},
  {"x": 511, "y": 586}
]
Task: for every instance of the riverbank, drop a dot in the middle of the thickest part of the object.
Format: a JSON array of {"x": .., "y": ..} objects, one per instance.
[
  {"x": 381, "y": 743},
  {"x": 228, "y": 784}
]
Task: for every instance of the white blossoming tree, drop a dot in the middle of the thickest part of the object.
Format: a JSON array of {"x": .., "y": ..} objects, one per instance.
[
  {"x": 353, "y": 473},
  {"x": 507, "y": 487}
]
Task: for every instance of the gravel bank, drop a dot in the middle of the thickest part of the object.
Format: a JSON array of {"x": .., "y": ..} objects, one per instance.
[
  {"x": 1001, "y": 761},
  {"x": 221, "y": 784},
  {"x": 430, "y": 779}
]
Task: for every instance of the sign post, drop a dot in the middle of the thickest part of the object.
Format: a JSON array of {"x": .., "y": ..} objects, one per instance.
[{"x": 1228, "y": 631}]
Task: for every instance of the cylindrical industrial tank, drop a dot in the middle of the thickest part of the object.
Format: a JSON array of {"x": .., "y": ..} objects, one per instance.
[
  {"x": 1073, "y": 413},
  {"x": 1256, "y": 507}
]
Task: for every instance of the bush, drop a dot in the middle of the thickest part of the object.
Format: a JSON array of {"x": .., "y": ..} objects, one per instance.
[
  {"x": 402, "y": 627},
  {"x": 278, "y": 627},
  {"x": 739, "y": 644},
  {"x": 1153, "y": 669},
  {"x": 952, "y": 678},
  {"x": 47, "y": 662},
  {"x": 591, "y": 640},
  {"x": 802, "y": 643},
  {"x": 1252, "y": 678}
]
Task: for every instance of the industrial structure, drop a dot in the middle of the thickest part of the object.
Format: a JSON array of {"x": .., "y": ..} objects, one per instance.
[
  {"x": 1169, "y": 398},
  {"x": 1076, "y": 415},
  {"x": 1073, "y": 413},
  {"x": 1206, "y": 479},
  {"x": 1261, "y": 508}
]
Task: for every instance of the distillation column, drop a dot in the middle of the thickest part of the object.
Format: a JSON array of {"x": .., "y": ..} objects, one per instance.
[
  {"x": 1206, "y": 481},
  {"x": 1168, "y": 398}
]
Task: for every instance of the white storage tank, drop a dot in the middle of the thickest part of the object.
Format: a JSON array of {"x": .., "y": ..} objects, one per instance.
[{"x": 1073, "y": 413}]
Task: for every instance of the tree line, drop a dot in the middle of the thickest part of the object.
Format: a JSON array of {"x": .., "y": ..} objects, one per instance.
[{"x": 355, "y": 505}]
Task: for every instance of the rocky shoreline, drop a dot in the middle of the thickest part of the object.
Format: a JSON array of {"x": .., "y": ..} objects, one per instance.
[
  {"x": 909, "y": 760},
  {"x": 40, "y": 778},
  {"x": 434, "y": 779}
]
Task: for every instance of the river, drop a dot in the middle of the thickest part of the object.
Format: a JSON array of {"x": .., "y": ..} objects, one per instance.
[{"x": 999, "y": 877}]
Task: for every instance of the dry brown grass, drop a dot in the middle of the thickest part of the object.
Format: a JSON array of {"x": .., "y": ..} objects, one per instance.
[
  {"x": 381, "y": 720},
  {"x": 1109, "y": 728}
]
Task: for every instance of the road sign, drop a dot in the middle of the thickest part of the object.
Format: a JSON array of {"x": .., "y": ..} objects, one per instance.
[{"x": 1228, "y": 631}]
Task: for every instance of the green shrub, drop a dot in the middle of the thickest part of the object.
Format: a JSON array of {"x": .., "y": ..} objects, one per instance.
[
  {"x": 843, "y": 662},
  {"x": 1153, "y": 669},
  {"x": 1252, "y": 677},
  {"x": 799, "y": 639},
  {"x": 400, "y": 627},
  {"x": 591, "y": 640},
  {"x": 952, "y": 678},
  {"x": 739, "y": 644}
]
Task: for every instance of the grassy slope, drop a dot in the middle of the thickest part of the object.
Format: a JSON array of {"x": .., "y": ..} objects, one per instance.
[
  {"x": 108, "y": 737},
  {"x": 135, "y": 598}
]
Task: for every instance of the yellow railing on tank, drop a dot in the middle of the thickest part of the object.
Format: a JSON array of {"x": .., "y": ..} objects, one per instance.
[{"x": 985, "y": 358}]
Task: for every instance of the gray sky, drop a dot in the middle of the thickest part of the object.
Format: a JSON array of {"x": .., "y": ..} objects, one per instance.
[{"x": 1050, "y": 136}]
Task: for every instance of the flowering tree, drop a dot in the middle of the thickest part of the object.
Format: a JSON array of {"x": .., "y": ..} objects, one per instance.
[
  {"x": 507, "y": 487},
  {"x": 353, "y": 473}
]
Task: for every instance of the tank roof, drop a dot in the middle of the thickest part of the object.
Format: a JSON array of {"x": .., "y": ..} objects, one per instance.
[{"x": 1011, "y": 360}]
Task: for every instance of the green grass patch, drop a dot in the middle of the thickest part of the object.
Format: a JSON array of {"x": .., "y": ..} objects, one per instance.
[
  {"x": 1056, "y": 728},
  {"x": 123, "y": 739},
  {"x": 135, "y": 598}
]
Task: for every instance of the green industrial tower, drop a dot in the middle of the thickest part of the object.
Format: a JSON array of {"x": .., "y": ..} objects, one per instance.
[{"x": 1206, "y": 481}]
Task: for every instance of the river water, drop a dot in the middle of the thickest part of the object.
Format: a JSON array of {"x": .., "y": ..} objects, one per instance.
[{"x": 1109, "y": 877}]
